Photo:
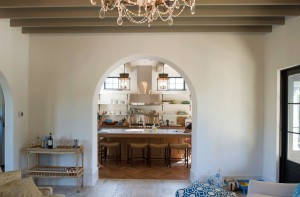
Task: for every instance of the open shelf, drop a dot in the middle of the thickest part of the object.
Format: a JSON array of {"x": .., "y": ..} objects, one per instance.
[{"x": 55, "y": 171}]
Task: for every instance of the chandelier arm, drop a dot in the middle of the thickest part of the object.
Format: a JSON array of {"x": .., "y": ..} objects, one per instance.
[
  {"x": 129, "y": 17},
  {"x": 175, "y": 15},
  {"x": 134, "y": 14}
]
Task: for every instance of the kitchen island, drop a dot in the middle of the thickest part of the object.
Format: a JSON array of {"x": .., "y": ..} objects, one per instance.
[
  {"x": 140, "y": 135},
  {"x": 143, "y": 133}
]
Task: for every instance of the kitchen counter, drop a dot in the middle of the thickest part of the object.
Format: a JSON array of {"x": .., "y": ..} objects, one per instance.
[
  {"x": 143, "y": 133},
  {"x": 127, "y": 127}
]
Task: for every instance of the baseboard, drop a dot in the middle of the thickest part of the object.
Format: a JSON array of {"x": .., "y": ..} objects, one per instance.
[{"x": 203, "y": 178}]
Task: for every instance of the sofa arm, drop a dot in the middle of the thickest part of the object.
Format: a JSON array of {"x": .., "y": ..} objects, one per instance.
[
  {"x": 270, "y": 188},
  {"x": 47, "y": 191}
]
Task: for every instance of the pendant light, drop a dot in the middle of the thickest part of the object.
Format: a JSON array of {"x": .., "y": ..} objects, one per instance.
[
  {"x": 163, "y": 81},
  {"x": 124, "y": 80}
]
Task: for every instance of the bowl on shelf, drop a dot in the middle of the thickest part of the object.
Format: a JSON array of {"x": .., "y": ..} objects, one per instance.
[
  {"x": 173, "y": 102},
  {"x": 182, "y": 113},
  {"x": 186, "y": 102}
]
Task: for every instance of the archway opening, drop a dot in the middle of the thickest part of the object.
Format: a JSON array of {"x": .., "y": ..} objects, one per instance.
[
  {"x": 2, "y": 130},
  {"x": 7, "y": 149},
  {"x": 120, "y": 105}
]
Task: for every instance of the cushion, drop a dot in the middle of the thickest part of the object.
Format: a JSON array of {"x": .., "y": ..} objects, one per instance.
[
  {"x": 203, "y": 190},
  {"x": 20, "y": 188},
  {"x": 271, "y": 188},
  {"x": 297, "y": 191},
  {"x": 7, "y": 177}
]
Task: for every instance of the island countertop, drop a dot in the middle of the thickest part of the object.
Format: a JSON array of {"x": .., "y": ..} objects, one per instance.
[{"x": 145, "y": 133}]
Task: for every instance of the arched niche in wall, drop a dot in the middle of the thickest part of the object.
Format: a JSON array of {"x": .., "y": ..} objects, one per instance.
[{"x": 9, "y": 126}]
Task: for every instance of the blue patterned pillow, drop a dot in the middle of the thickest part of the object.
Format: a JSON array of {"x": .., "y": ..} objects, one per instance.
[
  {"x": 297, "y": 191},
  {"x": 203, "y": 190}
]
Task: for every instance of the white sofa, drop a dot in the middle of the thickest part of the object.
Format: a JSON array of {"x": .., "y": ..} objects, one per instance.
[{"x": 268, "y": 189}]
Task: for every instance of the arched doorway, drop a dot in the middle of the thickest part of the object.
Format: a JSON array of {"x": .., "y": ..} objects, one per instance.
[
  {"x": 137, "y": 58},
  {"x": 2, "y": 130},
  {"x": 7, "y": 125}
]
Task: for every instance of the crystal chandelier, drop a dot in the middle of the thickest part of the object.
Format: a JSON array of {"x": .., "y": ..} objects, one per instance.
[{"x": 142, "y": 11}]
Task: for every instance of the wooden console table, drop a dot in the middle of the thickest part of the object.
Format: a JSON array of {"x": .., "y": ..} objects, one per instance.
[{"x": 39, "y": 171}]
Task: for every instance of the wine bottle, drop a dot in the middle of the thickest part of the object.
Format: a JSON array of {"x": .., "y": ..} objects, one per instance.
[{"x": 50, "y": 141}]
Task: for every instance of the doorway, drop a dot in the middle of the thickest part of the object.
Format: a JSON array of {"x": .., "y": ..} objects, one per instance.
[
  {"x": 115, "y": 101},
  {"x": 290, "y": 122},
  {"x": 2, "y": 130}
]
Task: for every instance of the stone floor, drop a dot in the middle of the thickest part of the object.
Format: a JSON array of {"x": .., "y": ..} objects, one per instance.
[{"x": 128, "y": 188}]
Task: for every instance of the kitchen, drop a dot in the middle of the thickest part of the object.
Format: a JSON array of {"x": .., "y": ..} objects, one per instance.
[{"x": 144, "y": 101}]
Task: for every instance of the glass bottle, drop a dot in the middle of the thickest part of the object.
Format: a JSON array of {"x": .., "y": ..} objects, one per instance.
[{"x": 50, "y": 141}]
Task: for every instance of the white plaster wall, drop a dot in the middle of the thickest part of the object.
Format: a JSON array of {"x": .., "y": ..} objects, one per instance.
[
  {"x": 14, "y": 81},
  {"x": 282, "y": 48},
  {"x": 223, "y": 71}
]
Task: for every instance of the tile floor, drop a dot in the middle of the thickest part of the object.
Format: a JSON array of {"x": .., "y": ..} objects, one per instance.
[{"x": 128, "y": 188}]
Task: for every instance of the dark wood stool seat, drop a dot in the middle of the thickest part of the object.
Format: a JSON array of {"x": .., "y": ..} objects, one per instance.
[
  {"x": 183, "y": 146},
  {"x": 131, "y": 147},
  {"x": 163, "y": 146},
  {"x": 104, "y": 146}
]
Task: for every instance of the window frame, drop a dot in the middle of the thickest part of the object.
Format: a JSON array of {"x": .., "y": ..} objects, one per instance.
[
  {"x": 105, "y": 84},
  {"x": 169, "y": 84}
]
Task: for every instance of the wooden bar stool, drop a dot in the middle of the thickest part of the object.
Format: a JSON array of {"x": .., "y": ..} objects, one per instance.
[
  {"x": 105, "y": 146},
  {"x": 165, "y": 147},
  {"x": 131, "y": 147},
  {"x": 183, "y": 146}
]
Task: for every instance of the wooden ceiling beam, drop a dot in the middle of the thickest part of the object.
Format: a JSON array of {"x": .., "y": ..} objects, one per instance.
[
  {"x": 86, "y": 3},
  {"x": 248, "y": 2},
  {"x": 92, "y": 12},
  {"x": 67, "y": 22},
  {"x": 143, "y": 29}
]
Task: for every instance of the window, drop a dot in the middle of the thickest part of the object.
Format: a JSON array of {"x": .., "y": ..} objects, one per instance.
[
  {"x": 176, "y": 83},
  {"x": 116, "y": 83},
  {"x": 111, "y": 83}
]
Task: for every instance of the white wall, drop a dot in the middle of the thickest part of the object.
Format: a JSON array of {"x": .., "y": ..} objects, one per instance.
[
  {"x": 281, "y": 51},
  {"x": 224, "y": 70},
  {"x": 14, "y": 81}
]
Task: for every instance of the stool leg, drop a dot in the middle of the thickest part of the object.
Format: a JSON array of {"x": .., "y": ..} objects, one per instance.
[
  {"x": 128, "y": 154},
  {"x": 149, "y": 156},
  {"x": 101, "y": 152},
  {"x": 143, "y": 154},
  {"x": 166, "y": 157},
  {"x": 117, "y": 155},
  {"x": 120, "y": 155},
  {"x": 131, "y": 150},
  {"x": 170, "y": 153},
  {"x": 187, "y": 157}
]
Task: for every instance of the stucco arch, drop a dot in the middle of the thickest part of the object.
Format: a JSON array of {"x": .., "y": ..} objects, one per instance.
[
  {"x": 9, "y": 126},
  {"x": 160, "y": 59}
]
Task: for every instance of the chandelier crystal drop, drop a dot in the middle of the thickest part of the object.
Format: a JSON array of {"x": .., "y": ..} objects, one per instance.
[{"x": 145, "y": 11}]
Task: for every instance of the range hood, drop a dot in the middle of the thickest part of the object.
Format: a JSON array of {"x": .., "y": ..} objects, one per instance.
[
  {"x": 144, "y": 85},
  {"x": 144, "y": 99}
]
